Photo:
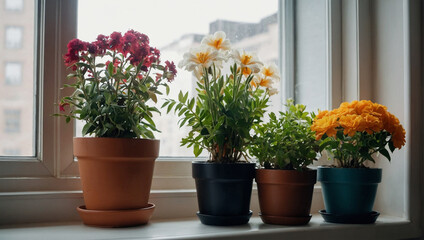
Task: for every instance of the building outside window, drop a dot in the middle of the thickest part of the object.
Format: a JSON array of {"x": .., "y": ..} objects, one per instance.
[
  {"x": 12, "y": 120},
  {"x": 14, "y": 5},
  {"x": 13, "y": 73},
  {"x": 14, "y": 37}
]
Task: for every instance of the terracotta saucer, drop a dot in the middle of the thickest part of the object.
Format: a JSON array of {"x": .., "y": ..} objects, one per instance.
[
  {"x": 281, "y": 220},
  {"x": 116, "y": 218}
]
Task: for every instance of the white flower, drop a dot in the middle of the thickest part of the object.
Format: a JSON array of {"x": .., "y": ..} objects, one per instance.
[
  {"x": 217, "y": 41},
  {"x": 270, "y": 71},
  {"x": 200, "y": 57},
  {"x": 247, "y": 60},
  {"x": 272, "y": 91}
]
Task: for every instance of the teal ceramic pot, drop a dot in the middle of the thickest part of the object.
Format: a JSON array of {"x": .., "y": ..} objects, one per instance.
[{"x": 349, "y": 191}]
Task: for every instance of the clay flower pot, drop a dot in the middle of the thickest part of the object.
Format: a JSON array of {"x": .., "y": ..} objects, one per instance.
[
  {"x": 223, "y": 192},
  {"x": 285, "y": 196},
  {"x": 116, "y": 173},
  {"x": 349, "y": 194}
]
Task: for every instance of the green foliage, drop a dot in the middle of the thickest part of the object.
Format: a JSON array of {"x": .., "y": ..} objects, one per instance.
[
  {"x": 113, "y": 99},
  {"x": 354, "y": 151},
  {"x": 285, "y": 142},
  {"x": 221, "y": 116}
]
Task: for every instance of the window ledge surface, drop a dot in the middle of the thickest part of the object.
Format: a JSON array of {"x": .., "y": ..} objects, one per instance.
[{"x": 386, "y": 227}]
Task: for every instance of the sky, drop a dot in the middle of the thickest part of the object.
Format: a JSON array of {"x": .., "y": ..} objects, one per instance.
[{"x": 165, "y": 20}]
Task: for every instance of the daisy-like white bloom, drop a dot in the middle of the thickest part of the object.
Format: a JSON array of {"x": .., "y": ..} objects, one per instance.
[
  {"x": 270, "y": 71},
  {"x": 260, "y": 80},
  {"x": 272, "y": 91},
  {"x": 202, "y": 57},
  {"x": 249, "y": 62},
  {"x": 217, "y": 41}
]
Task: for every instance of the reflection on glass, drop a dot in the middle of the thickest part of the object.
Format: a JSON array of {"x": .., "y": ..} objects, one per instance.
[
  {"x": 174, "y": 27},
  {"x": 16, "y": 78}
]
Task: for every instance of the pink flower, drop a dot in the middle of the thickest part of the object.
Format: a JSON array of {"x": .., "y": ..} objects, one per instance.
[
  {"x": 75, "y": 46},
  {"x": 62, "y": 106},
  {"x": 115, "y": 41}
]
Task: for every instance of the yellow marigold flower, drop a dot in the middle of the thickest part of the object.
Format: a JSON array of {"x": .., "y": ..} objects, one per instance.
[{"x": 321, "y": 114}]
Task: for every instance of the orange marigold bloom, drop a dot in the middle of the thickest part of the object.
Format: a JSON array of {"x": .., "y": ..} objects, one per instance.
[{"x": 359, "y": 116}]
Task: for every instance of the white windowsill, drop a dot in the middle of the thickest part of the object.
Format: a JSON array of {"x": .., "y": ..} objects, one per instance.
[{"x": 386, "y": 227}]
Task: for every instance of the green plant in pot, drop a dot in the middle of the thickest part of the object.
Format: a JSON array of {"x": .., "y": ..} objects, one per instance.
[
  {"x": 221, "y": 116},
  {"x": 114, "y": 93},
  {"x": 352, "y": 135},
  {"x": 285, "y": 146}
]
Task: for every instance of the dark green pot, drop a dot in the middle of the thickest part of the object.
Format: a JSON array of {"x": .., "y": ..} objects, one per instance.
[
  {"x": 349, "y": 191},
  {"x": 223, "y": 192}
]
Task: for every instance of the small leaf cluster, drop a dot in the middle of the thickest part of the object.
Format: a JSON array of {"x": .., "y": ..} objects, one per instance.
[
  {"x": 286, "y": 141},
  {"x": 221, "y": 115},
  {"x": 354, "y": 151}
]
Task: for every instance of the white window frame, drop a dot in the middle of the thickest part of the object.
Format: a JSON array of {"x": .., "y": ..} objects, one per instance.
[{"x": 50, "y": 176}]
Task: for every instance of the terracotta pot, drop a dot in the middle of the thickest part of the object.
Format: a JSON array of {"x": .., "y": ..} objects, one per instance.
[
  {"x": 285, "y": 196},
  {"x": 116, "y": 173}
]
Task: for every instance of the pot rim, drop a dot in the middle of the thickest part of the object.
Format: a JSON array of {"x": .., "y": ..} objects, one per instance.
[
  {"x": 135, "y": 139},
  {"x": 214, "y": 163}
]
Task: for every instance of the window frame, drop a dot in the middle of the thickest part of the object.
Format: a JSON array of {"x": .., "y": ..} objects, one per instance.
[{"x": 54, "y": 169}]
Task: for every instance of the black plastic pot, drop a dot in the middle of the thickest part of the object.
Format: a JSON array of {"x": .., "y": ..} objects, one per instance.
[{"x": 223, "y": 192}]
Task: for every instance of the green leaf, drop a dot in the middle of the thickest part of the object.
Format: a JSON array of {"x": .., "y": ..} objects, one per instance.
[
  {"x": 180, "y": 96},
  {"x": 197, "y": 150},
  {"x": 385, "y": 153},
  {"x": 170, "y": 106},
  {"x": 86, "y": 128},
  {"x": 391, "y": 146},
  {"x": 153, "y": 96}
]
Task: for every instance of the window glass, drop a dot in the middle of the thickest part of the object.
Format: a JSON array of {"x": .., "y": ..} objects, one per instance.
[
  {"x": 12, "y": 120},
  {"x": 13, "y": 73},
  {"x": 17, "y": 125},
  {"x": 14, "y": 37},
  {"x": 174, "y": 32},
  {"x": 14, "y": 5}
]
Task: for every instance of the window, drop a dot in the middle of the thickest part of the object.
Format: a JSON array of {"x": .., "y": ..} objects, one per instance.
[
  {"x": 14, "y": 37},
  {"x": 251, "y": 28},
  {"x": 50, "y": 167},
  {"x": 14, "y": 5},
  {"x": 11, "y": 152},
  {"x": 13, "y": 73},
  {"x": 12, "y": 120}
]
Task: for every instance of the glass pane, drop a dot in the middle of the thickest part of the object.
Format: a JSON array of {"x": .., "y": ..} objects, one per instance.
[
  {"x": 175, "y": 26},
  {"x": 13, "y": 37},
  {"x": 310, "y": 61},
  {"x": 14, "y": 5},
  {"x": 17, "y": 78}
]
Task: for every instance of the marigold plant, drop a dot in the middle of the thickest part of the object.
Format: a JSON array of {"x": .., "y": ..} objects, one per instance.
[
  {"x": 113, "y": 83},
  {"x": 355, "y": 131},
  {"x": 227, "y": 105}
]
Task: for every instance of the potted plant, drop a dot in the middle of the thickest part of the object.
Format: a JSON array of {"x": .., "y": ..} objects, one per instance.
[
  {"x": 352, "y": 134},
  {"x": 221, "y": 117},
  {"x": 285, "y": 146},
  {"x": 114, "y": 94}
]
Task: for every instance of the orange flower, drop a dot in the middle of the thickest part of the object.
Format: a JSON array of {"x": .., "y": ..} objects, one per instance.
[{"x": 359, "y": 116}]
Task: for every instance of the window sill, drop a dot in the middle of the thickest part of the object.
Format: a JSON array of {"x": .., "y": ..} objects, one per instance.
[{"x": 385, "y": 228}]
